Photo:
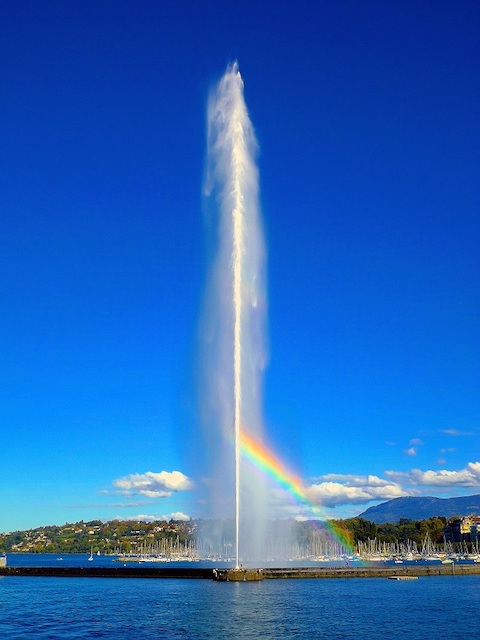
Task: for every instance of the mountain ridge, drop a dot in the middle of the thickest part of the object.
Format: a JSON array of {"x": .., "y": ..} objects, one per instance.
[{"x": 421, "y": 508}]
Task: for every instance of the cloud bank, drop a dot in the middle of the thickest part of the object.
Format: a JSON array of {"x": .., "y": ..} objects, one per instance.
[
  {"x": 334, "y": 490},
  {"x": 468, "y": 477},
  {"x": 337, "y": 490},
  {"x": 325, "y": 492}
]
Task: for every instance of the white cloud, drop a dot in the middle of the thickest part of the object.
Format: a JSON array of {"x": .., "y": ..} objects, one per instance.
[
  {"x": 416, "y": 442},
  {"x": 142, "y": 517},
  {"x": 354, "y": 480},
  {"x": 468, "y": 477},
  {"x": 334, "y": 490},
  {"x": 176, "y": 515},
  {"x": 456, "y": 432},
  {"x": 114, "y": 505},
  {"x": 332, "y": 494},
  {"x": 410, "y": 452},
  {"x": 153, "y": 485}
]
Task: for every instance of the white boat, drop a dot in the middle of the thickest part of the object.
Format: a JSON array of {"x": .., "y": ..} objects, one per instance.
[
  {"x": 431, "y": 558},
  {"x": 90, "y": 558}
]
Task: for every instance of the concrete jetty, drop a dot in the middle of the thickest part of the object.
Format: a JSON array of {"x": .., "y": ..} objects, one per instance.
[
  {"x": 108, "y": 572},
  {"x": 245, "y": 575}
]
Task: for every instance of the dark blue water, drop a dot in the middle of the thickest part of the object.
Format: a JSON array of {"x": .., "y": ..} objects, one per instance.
[
  {"x": 82, "y": 560},
  {"x": 148, "y": 609}
]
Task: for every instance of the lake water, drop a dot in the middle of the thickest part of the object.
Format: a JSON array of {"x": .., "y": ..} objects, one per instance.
[{"x": 157, "y": 609}]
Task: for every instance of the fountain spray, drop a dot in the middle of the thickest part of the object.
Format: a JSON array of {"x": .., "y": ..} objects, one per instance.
[{"x": 237, "y": 308}]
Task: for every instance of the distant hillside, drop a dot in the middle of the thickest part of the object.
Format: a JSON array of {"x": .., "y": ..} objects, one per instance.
[{"x": 422, "y": 508}]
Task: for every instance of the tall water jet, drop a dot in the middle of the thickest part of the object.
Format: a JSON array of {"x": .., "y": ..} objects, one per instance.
[{"x": 233, "y": 328}]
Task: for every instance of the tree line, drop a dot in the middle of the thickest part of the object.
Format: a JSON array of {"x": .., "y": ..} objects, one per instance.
[{"x": 123, "y": 536}]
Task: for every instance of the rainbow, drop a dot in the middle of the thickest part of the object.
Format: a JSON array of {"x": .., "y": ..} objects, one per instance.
[{"x": 265, "y": 460}]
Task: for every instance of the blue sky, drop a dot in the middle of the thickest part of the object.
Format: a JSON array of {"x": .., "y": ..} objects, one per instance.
[{"x": 367, "y": 120}]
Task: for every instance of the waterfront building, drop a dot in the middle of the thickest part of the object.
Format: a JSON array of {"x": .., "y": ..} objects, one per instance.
[{"x": 465, "y": 529}]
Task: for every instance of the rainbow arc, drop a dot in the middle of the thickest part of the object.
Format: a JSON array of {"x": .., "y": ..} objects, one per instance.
[{"x": 266, "y": 460}]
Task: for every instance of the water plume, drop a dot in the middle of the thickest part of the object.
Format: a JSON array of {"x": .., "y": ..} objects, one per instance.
[{"x": 233, "y": 326}]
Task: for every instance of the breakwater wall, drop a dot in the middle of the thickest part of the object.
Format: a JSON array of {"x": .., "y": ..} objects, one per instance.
[
  {"x": 267, "y": 573},
  {"x": 109, "y": 572},
  {"x": 373, "y": 572}
]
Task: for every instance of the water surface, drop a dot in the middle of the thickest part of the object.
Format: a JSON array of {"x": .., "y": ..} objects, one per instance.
[{"x": 148, "y": 609}]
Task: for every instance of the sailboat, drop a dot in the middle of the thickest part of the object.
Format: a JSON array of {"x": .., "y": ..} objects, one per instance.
[{"x": 90, "y": 558}]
